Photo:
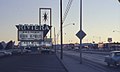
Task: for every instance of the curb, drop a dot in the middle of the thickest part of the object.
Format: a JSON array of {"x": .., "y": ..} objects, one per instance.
[{"x": 62, "y": 63}]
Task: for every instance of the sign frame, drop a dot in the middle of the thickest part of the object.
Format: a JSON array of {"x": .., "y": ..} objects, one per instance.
[{"x": 29, "y": 39}]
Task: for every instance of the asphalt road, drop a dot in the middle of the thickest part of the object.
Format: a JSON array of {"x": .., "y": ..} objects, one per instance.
[{"x": 31, "y": 63}]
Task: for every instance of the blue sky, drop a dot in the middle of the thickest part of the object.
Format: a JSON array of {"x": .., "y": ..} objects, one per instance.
[{"x": 100, "y": 18}]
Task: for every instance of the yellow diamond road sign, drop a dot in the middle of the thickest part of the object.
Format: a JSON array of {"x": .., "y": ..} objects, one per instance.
[{"x": 81, "y": 34}]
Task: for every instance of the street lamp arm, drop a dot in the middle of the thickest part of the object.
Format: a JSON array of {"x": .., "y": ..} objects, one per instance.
[
  {"x": 119, "y": 0},
  {"x": 116, "y": 31},
  {"x": 68, "y": 24},
  {"x": 63, "y": 27}
]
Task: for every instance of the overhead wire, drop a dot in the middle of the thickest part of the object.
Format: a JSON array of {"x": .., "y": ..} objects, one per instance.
[{"x": 67, "y": 10}]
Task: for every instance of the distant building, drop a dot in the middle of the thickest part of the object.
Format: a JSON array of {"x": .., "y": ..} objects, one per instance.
[{"x": 112, "y": 45}]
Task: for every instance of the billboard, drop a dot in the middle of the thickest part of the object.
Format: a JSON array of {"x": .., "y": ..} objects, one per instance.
[
  {"x": 30, "y": 35},
  {"x": 30, "y": 32}
]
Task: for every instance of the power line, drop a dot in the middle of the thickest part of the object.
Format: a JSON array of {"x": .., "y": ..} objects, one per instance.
[{"x": 67, "y": 10}]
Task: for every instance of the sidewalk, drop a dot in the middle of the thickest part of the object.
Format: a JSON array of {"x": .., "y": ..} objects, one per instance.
[
  {"x": 89, "y": 56},
  {"x": 73, "y": 65}
]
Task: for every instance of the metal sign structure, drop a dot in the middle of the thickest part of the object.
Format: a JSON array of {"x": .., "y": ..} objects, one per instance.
[
  {"x": 30, "y": 32},
  {"x": 45, "y": 17},
  {"x": 81, "y": 34}
]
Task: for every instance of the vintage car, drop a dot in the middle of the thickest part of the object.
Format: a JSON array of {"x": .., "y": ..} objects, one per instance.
[{"x": 113, "y": 58}]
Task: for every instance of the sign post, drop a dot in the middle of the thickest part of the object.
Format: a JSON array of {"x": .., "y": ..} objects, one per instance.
[{"x": 80, "y": 34}]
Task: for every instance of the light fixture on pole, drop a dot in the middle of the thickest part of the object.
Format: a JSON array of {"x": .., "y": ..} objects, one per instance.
[
  {"x": 69, "y": 24},
  {"x": 63, "y": 28},
  {"x": 119, "y": 0},
  {"x": 116, "y": 31}
]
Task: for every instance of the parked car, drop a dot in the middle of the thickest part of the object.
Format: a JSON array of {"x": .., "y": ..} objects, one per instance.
[
  {"x": 26, "y": 51},
  {"x": 15, "y": 51},
  {"x": 6, "y": 52},
  {"x": 113, "y": 58},
  {"x": 46, "y": 51},
  {"x": 2, "y": 54}
]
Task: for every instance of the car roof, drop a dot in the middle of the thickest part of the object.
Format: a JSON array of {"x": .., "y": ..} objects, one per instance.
[{"x": 114, "y": 51}]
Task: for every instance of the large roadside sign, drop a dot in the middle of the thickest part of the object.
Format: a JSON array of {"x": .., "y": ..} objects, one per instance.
[{"x": 32, "y": 32}]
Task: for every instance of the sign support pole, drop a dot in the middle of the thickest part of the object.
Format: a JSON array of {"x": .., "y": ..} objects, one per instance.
[{"x": 80, "y": 30}]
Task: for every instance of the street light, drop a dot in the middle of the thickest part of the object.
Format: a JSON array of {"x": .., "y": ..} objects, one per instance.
[
  {"x": 116, "y": 31},
  {"x": 119, "y": 0},
  {"x": 68, "y": 24},
  {"x": 63, "y": 27},
  {"x": 58, "y": 34}
]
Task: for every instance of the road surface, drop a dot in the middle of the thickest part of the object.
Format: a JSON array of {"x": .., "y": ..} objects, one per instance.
[{"x": 31, "y": 63}]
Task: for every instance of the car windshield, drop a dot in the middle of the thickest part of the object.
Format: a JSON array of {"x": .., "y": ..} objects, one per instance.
[{"x": 117, "y": 54}]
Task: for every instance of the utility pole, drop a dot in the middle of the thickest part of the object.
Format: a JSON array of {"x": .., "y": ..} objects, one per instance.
[{"x": 54, "y": 40}]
